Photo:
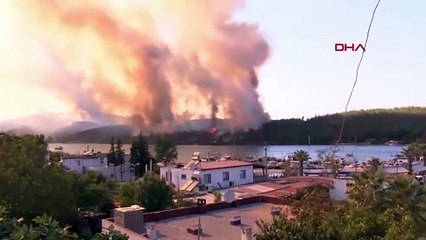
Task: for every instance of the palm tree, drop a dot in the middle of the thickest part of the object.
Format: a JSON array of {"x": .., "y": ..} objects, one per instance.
[
  {"x": 375, "y": 163},
  {"x": 367, "y": 191},
  {"x": 410, "y": 153},
  {"x": 406, "y": 192},
  {"x": 301, "y": 156}
]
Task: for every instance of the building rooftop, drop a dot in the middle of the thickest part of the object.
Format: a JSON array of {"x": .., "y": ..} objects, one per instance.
[
  {"x": 87, "y": 156},
  {"x": 419, "y": 168},
  {"x": 130, "y": 209},
  {"x": 286, "y": 187},
  {"x": 395, "y": 170},
  {"x": 215, "y": 224},
  {"x": 82, "y": 156},
  {"x": 211, "y": 165}
]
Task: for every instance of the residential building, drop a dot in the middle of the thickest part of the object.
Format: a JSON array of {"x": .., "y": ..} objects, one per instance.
[
  {"x": 212, "y": 175},
  {"x": 98, "y": 162}
]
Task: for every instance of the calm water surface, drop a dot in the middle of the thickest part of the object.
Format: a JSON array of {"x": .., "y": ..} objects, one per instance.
[{"x": 280, "y": 151}]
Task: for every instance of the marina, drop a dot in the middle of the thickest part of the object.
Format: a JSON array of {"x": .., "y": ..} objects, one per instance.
[{"x": 185, "y": 152}]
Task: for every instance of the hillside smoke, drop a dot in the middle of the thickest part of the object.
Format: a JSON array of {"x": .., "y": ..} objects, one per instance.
[{"x": 157, "y": 62}]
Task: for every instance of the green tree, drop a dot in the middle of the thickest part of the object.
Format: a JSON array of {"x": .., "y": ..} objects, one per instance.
[
  {"x": 119, "y": 155},
  {"x": 129, "y": 194},
  {"x": 29, "y": 185},
  {"x": 405, "y": 192},
  {"x": 301, "y": 156},
  {"x": 181, "y": 201},
  {"x": 155, "y": 193},
  {"x": 43, "y": 227},
  {"x": 279, "y": 228},
  {"x": 165, "y": 150},
  {"x": 375, "y": 163},
  {"x": 151, "y": 192},
  {"x": 139, "y": 155},
  {"x": 368, "y": 190},
  {"x": 329, "y": 160},
  {"x": 112, "y": 234},
  {"x": 409, "y": 154},
  {"x": 112, "y": 157},
  {"x": 94, "y": 192},
  {"x": 55, "y": 157},
  {"x": 394, "y": 214}
]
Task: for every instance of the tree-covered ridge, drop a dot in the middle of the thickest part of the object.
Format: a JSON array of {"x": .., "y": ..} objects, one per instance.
[
  {"x": 374, "y": 126},
  {"x": 364, "y": 126}
]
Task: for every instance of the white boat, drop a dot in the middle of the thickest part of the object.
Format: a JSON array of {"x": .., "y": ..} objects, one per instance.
[{"x": 348, "y": 159}]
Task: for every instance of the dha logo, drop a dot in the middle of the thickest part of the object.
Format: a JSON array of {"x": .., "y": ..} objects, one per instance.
[{"x": 343, "y": 47}]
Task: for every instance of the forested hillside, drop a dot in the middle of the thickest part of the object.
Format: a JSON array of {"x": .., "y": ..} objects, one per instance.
[
  {"x": 372, "y": 126},
  {"x": 364, "y": 126}
]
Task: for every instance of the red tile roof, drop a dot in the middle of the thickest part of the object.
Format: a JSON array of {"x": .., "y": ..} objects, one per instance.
[{"x": 223, "y": 164}]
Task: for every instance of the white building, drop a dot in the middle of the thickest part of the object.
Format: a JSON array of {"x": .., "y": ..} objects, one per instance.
[
  {"x": 198, "y": 175},
  {"x": 98, "y": 162},
  {"x": 340, "y": 188}
]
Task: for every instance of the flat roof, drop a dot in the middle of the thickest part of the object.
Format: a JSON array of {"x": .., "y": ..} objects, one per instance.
[
  {"x": 91, "y": 156},
  {"x": 88, "y": 156},
  {"x": 130, "y": 209},
  {"x": 215, "y": 224},
  {"x": 284, "y": 187},
  {"x": 211, "y": 165}
]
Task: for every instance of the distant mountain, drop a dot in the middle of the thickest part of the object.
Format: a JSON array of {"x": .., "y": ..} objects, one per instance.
[
  {"x": 76, "y": 127},
  {"x": 97, "y": 135},
  {"x": 46, "y": 123}
]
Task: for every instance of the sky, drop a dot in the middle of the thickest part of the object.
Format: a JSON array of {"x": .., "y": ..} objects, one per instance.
[{"x": 304, "y": 76}]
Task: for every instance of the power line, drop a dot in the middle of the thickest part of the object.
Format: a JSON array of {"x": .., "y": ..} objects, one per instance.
[{"x": 356, "y": 75}]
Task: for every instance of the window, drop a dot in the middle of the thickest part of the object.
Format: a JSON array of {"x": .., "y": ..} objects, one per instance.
[
  {"x": 225, "y": 176},
  {"x": 183, "y": 176},
  {"x": 207, "y": 178},
  {"x": 101, "y": 161},
  {"x": 242, "y": 174},
  {"x": 79, "y": 162}
]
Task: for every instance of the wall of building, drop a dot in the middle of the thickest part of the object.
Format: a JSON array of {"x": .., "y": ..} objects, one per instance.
[
  {"x": 340, "y": 188},
  {"x": 100, "y": 164},
  {"x": 80, "y": 164},
  {"x": 217, "y": 177},
  {"x": 176, "y": 175}
]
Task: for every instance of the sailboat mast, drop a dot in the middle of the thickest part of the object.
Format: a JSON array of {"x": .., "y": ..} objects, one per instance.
[{"x": 309, "y": 140}]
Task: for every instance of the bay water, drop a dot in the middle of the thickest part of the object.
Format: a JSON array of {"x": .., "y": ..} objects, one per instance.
[{"x": 361, "y": 152}]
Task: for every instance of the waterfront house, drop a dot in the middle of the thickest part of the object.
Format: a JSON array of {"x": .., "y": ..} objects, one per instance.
[
  {"x": 205, "y": 176},
  {"x": 91, "y": 161}
]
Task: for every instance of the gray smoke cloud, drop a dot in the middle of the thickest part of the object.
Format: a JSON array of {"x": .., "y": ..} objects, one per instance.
[{"x": 156, "y": 66}]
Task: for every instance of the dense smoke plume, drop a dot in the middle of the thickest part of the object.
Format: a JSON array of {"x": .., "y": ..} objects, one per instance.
[{"x": 157, "y": 62}]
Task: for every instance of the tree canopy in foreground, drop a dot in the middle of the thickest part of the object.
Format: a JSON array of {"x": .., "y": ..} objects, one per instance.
[{"x": 378, "y": 208}]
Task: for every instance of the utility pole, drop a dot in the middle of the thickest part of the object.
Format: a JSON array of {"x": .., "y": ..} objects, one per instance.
[
  {"x": 199, "y": 228},
  {"x": 266, "y": 163}
]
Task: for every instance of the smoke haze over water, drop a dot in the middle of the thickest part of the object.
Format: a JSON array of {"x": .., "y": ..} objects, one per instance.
[{"x": 157, "y": 62}]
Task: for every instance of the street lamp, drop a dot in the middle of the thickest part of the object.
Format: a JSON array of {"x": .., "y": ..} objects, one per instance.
[{"x": 133, "y": 166}]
